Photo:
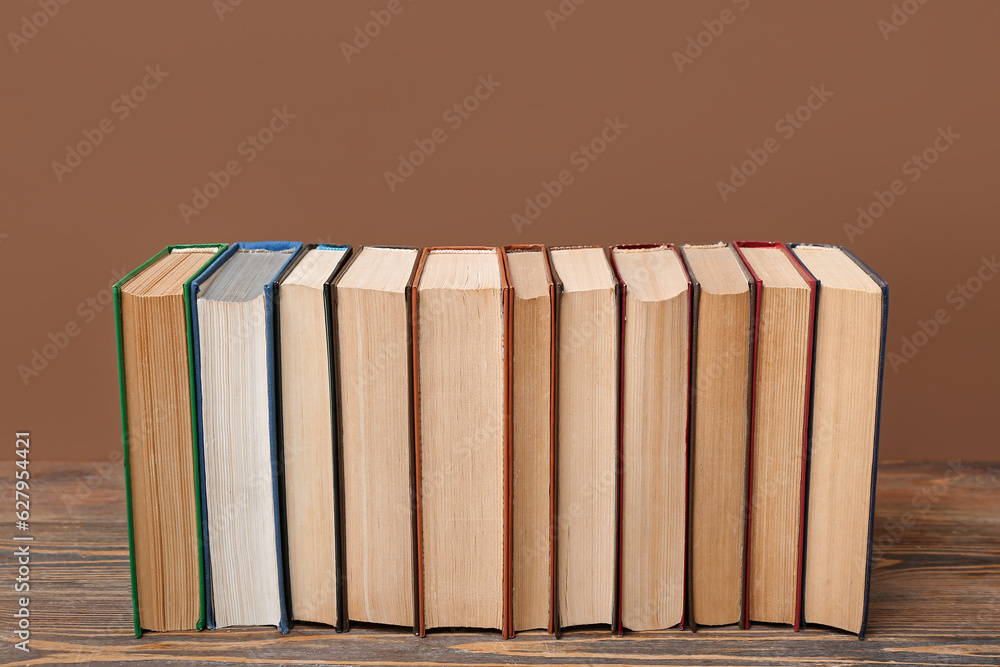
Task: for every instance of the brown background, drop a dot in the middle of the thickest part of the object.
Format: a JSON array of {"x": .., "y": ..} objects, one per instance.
[{"x": 322, "y": 178}]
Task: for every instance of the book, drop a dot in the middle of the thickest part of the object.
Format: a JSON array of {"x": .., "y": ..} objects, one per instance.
[
  {"x": 588, "y": 438},
  {"x": 461, "y": 368},
  {"x": 722, "y": 345},
  {"x": 306, "y": 400},
  {"x": 155, "y": 379},
  {"x": 533, "y": 436},
  {"x": 373, "y": 332},
  {"x": 786, "y": 296},
  {"x": 851, "y": 314},
  {"x": 656, "y": 365},
  {"x": 235, "y": 346}
]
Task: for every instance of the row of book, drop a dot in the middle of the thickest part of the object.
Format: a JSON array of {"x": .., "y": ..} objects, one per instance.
[{"x": 516, "y": 438}]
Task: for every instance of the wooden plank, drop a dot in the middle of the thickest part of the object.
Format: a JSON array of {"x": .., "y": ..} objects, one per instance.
[{"x": 935, "y": 594}]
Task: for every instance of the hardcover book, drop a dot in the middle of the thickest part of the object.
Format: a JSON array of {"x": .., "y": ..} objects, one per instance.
[
  {"x": 461, "y": 368},
  {"x": 589, "y": 437},
  {"x": 785, "y": 307},
  {"x": 656, "y": 366},
  {"x": 236, "y": 382},
  {"x": 723, "y": 341},
  {"x": 156, "y": 383},
  {"x": 373, "y": 334},
  {"x": 852, "y": 311},
  {"x": 533, "y": 435},
  {"x": 306, "y": 401}
]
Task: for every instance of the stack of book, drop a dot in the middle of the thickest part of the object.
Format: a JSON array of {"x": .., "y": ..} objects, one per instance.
[{"x": 516, "y": 438}]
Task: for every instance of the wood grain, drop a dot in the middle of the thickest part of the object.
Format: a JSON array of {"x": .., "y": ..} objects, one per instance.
[{"x": 935, "y": 594}]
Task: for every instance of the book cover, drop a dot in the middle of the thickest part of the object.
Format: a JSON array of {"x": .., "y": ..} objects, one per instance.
[
  {"x": 619, "y": 624},
  {"x": 554, "y": 293},
  {"x": 616, "y": 570},
  {"x": 116, "y": 293},
  {"x": 506, "y": 630},
  {"x": 272, "y": 419},
  {"x": 696, "y": 293},
  {"x": 758, "y": 302},
  {"x": 340, "y": 593},
  {"x": 884, "y": 288},
  {"x": 332, "y": 295}
]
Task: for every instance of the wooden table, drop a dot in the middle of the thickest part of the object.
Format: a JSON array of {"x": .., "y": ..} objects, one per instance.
[{"x": 935, "y": 593}]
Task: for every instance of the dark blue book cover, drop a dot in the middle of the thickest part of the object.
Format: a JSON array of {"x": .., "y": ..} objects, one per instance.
[
  {"x": 884, "y": 288},
  {"x": 270, "y": 333}
]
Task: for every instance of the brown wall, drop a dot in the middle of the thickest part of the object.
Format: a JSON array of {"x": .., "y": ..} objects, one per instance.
[{"x": 322, "y": 178}]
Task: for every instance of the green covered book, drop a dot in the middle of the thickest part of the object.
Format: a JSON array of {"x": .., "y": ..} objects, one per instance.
[{"x": 159, "y": 436}]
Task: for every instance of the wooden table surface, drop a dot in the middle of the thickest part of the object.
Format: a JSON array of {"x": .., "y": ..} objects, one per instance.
[{"x": 935, "y": 593}]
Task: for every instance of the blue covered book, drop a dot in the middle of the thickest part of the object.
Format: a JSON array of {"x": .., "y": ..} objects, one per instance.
[
  {"x": 234, "y": 333},
  {"x": 852, "y": 310}
]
